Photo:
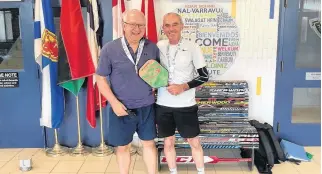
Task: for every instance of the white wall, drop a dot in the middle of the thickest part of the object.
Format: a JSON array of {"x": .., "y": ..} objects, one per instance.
[{"x": 257, "y": 52}]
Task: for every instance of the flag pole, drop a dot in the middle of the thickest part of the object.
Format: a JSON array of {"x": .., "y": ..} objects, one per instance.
[
  {"x": 102, "y": 149},
  {"x": 57, "y": 150},
  {"x": 80, "y": 149}
]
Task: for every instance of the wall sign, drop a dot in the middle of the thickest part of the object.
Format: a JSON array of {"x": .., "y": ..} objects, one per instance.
[
  {"x": 9, "y": 79},
  {"x": 313, "y": 76},
  {"x": 214, "y": 30}
]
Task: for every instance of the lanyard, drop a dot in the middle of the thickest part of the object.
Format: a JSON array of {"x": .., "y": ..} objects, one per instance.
[
  {"x": 128, "y": 54},
  {"x": 172, "y": 65}
]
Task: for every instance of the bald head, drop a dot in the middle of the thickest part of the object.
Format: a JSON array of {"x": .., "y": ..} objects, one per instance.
[{"x": 133, "y": 14}]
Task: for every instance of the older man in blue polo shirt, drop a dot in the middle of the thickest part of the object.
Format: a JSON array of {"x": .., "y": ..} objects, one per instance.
[{"x": 130, "y": 98}]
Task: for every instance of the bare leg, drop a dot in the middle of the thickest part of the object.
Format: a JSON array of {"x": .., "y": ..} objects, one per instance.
[
  {"x": 197, "y": 152},
  {"x": 150, "y": 156},
  {"x": 123, "y": 158},
  {"x": 170, "y": 152}
]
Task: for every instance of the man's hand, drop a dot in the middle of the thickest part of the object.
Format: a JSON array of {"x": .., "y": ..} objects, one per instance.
[
  {"x": 176, "y": 89},
  {"x": 119, "y": 109}
]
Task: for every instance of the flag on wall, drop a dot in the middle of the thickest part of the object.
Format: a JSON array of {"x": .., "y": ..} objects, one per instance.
[
  {"x": 77, "y": 64},
  {"x": 151, "y": 29},
  {"x": 46, "y": 55},
  {"x": 118, "y": 7},
  {"x": 93, "y": 21}
]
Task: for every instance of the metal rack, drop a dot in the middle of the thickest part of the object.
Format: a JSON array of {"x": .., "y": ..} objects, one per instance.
[{"x": 223, "y": 118}]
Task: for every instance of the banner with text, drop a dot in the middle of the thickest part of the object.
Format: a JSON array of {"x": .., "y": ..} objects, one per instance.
[{"x": 214, "y": 30}]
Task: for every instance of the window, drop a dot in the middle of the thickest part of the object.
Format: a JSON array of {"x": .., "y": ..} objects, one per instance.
[{"x": 10, "y": 41}]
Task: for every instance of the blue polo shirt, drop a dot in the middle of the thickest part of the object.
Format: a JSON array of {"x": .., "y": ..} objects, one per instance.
[{"x": 126, "y": 85}]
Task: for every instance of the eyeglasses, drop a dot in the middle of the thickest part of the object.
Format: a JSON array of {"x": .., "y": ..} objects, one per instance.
[{"x": 135, "y": 25}]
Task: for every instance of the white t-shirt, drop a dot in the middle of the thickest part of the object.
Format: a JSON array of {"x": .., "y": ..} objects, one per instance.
[{"x": 188, "y": 59}]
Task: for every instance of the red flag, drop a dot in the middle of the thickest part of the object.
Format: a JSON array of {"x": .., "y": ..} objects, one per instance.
[
  {"x": 93, "y": 103},
  {"x": 93, "y": 94},
  {"x": 143, "y": 6},
  {"x": 143, "y": 11},
  {"x": 75, "y": 40},
  {"x": 151, "y": 32},
  {"x": 118, "y": 8}
]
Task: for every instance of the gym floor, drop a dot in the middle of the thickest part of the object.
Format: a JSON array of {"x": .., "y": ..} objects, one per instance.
[{"x": 9, "y": 163}]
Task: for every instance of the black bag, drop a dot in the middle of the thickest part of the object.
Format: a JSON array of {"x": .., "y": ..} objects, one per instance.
[
  {"x": 260, "y": 159},
  {"x": 269, "y": 152},
  {"x": 277, "y": 149}
]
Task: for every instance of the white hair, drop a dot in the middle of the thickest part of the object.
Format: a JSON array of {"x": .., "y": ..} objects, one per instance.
[{"x": 176, "y": 14}]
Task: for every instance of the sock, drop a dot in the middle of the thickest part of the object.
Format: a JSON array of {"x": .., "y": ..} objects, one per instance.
[
  {"x": 173, "y": 171},
  {"x": 201, "y": 170}
]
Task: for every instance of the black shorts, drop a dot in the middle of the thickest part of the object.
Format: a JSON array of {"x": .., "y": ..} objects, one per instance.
[{"x": 184, "y": 119}]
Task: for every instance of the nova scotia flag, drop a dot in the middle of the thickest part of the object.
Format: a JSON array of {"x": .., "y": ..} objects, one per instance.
[{"x": 46, "y": 55}]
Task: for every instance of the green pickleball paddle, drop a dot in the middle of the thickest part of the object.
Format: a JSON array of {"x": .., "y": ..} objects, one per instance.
[{"x": 154, "y": 74}]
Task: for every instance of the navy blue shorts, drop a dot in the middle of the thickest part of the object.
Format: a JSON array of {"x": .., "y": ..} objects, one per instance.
[{"x": 121, "y": 129}]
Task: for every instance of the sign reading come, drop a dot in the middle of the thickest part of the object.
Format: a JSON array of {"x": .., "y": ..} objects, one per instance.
[{"x": 214, "y": 30}]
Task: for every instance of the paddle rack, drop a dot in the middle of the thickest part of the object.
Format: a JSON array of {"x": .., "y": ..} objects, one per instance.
[{"x": 223, "y": 118}]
